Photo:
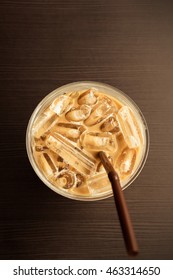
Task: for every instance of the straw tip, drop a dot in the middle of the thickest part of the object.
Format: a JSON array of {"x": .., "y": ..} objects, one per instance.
[{"x": 133, "y": 252}]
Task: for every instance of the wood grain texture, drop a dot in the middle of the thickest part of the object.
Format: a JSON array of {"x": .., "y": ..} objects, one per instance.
[{"x": 45, "y": 44}]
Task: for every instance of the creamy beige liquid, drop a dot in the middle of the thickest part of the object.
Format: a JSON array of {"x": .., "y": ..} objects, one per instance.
[{"x": 68, "y": 135}]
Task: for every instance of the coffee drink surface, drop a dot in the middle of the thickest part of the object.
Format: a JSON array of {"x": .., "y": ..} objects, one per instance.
[{"x": 69, "y": 133}]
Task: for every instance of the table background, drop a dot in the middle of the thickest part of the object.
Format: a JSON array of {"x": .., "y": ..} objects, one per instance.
[{"x": 46, "y": 44}]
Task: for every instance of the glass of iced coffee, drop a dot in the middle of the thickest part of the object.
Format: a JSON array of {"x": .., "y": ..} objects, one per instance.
[{"x": 71, "y": 125}]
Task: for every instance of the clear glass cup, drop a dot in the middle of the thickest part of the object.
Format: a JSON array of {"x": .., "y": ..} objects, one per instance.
[{"x": 104, "y": 88}]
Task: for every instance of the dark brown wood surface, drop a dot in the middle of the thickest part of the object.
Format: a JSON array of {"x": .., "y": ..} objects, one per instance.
[{"x": 46, "y": 44}]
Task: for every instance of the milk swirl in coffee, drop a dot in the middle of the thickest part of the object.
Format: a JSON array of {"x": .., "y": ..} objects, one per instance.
[{"x": 67, "y": 136}]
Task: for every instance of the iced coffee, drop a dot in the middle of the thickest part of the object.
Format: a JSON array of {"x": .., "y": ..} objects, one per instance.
[{"x": 68, "y": 134}]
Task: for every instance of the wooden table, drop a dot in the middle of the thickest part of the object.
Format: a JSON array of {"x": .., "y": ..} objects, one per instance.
[{"x": 46, "y": 44}]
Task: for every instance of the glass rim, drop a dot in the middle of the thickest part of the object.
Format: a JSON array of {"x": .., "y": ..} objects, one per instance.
[{"x": 58, "y": 91}]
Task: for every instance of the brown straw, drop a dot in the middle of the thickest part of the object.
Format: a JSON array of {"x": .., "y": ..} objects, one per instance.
[{"x": 123, "y": 213}]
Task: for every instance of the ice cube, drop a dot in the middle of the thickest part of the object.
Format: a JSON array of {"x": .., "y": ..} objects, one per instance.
[
  {"x": 61, "y": 104},
  {"x": 39, "y": 145},
  {"x": 100, "y": 111},
  {"x": 126, "y": 161},
  {"x": 71, "y": 154},
  {"x": 80, "y": 114},
  {"x": 87, "y": 97},
  {"x": 96, "y": 141},
  {"x": 80, "y": 180},
  {"x": 51, "y": 115},
  {"x": 66, "y": 179},
  {"x": 57, "y": 160},
  {"x": 128, "y": 128},
  {"x": 69, "y": 130},
  {"x": 45, "y": 163},
  {"x": 74, "y": 94},
  {"x": 44, "y": 122},
  {"x": 110, "y": 125},
  {"x": 99, "y": 183}
]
